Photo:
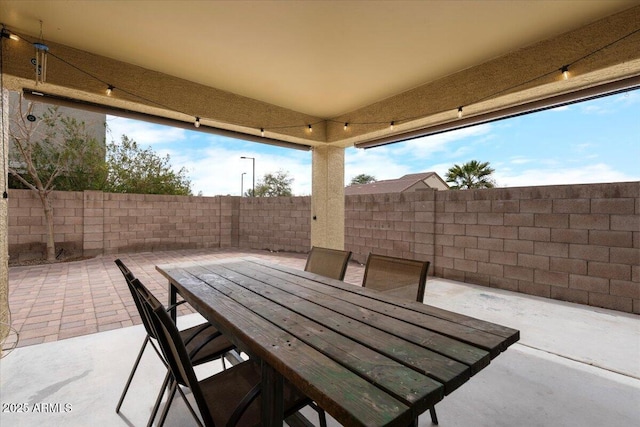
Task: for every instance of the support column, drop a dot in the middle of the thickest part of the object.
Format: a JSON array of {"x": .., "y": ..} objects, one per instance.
[
  {"x": 4, "y": 224},
  {"x": 327, "y": 197}
]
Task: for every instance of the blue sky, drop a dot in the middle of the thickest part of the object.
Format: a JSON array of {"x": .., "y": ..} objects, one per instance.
[{"x": 590, "y": 142}]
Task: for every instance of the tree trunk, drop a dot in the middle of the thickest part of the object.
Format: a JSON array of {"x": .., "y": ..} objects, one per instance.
[{"x": 48, "y": 216}]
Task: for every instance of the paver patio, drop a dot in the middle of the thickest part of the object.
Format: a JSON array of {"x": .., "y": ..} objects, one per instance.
[{"x": 50, "y": 302}]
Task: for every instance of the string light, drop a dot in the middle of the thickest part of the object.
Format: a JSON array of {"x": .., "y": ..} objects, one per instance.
[
  {"x": 346, "y": 125},
  {"x": 565, "y": 72},
  {"x": 310, "y": 128},
  {"x": 261, "y": 131},
  {"x": 109, "y": 90},
  {"x": 460, "y": 112},
  {"x": 391, "y": 125},
  {"x": 197, "y": 122},
  {"x": 8, "y": 35}
]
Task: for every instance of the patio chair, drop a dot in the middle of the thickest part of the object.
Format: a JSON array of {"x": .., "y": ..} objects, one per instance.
[
  {"x": 326, "y": 262},
  {"x": 229, "y": 398},
  {"x": 396, "y": 276},
  {"x": 400, "y": 277},
  {"x": 204, "y": 342}
]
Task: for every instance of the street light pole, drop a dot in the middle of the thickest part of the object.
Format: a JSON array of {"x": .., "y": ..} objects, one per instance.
[
  {"x": 253, "y": 161},
  {"x": 242, "y": 184}
]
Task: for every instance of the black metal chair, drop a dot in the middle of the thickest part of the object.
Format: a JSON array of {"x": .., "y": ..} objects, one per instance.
[
  {"x": 204, "y": 342},
  {"x": 400, "y": 277},
  {"x": 328, "y": 262},
  {"x": 229, "y": 398}
]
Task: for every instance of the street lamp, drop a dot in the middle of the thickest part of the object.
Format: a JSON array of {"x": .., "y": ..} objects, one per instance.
[
  {"x": 253, "y": 161},
  {"x": 242, "y": 184}
]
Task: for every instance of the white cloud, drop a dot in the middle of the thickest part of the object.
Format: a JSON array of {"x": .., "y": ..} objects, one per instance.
[
  {"x": 520, "y": 160},
  {"x": 428, "y": 146},
  {"x": 217, "y": 169},
  {"x": 143, "y": 133},
  {"x": 396, "y": 160},
  {"x": 561, "y": 175},
  {"x": 377, "y": 162}
]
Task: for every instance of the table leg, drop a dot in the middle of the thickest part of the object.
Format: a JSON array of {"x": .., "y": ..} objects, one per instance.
[
  {"x": 173, "y": 298},
  {"x": 272, "y": 397}
]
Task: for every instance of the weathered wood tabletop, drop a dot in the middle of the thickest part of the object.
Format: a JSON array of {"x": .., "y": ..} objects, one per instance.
[{"x": 366, "y": 358}]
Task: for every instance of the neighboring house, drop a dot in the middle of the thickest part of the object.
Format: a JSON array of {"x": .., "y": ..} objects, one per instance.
[
  {"x": 95, "y": 123},
  {"x": 407, "y": 183}
]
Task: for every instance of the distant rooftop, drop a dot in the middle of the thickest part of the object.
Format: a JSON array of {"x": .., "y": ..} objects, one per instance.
[{"x": 407, "y": 183}]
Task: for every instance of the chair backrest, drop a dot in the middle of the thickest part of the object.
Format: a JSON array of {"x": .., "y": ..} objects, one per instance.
[
  {"x": 129, "y": 278},
  {"x": 395, "y": 275},
  {"x": 328, "y": 262},
  {"x": 172, "y": 346},
  {"x": 128, "y": 275}
]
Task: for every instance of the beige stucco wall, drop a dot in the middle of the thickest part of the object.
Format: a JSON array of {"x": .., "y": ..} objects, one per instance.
[{"x": 327, "y": 204}]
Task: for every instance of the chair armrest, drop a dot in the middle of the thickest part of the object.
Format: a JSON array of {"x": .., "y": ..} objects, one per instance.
[{"x": 174, "y": 306}]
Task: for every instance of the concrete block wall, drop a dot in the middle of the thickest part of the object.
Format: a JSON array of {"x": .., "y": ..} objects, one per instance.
[
  {"x": 578, "y": 243},
  {"x": 275, "y": 223},
  {"x": 27, "y": 227},
  {"x": 148, "y": 222},
  {"x": 91, "y": 223},
  {"x": 399, "y": 225}
]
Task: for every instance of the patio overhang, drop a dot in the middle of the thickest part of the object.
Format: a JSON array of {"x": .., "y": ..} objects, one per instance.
[{"x": 249, "y": 67}]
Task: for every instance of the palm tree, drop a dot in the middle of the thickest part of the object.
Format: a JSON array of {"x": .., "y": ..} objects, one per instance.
[{"x": 472, "y": 174}]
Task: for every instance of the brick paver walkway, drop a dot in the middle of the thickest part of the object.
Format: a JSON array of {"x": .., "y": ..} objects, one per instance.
[{"x": 56, "y": 301}]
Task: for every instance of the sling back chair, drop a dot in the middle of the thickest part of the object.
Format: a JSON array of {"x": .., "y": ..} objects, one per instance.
[
  {"x": 204, "y": 342},
  {"x": 326, "y": 262},
  {"x": 400, "y": 277},
  {"x": 229, "y": 398}
]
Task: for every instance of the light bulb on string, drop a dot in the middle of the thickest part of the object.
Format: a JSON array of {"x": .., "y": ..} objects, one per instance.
[
  {"x": 6, "y": 34},
  {"x": 197, "y": 122},
  {"x": 261, "y": 131},
  {"x": 460, "y": 112},
  {"x": 565, "y": 72},
  {"x": 110, "y": 90},
  {"x": 391, "y": 125},
  {"x": 310, "y": 128},
  {"x": 346, "y": 125}
]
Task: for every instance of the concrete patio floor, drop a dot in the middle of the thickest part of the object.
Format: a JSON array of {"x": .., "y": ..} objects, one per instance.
[{"x": 573, "y": 366}]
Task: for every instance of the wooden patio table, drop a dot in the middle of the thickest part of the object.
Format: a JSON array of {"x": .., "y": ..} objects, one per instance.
[{"x": 366, "y": 358}]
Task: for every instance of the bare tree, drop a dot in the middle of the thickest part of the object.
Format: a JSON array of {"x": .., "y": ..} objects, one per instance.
[{"x": 45, "y": 149}]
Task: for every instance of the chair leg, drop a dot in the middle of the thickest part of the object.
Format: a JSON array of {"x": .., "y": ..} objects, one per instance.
[
  {"x": 434, "y": 416},
  {"x": 156, "y": 405},
  {"x": 172, "y": 392},
  {"x": 186, "y": 402},
  {"x": 133, "y": 371},
  {"x": 165, "y": 410},
  {"x": 322, "y": 417}
]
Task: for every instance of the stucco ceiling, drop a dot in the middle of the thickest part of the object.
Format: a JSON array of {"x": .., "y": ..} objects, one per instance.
[{"x": 322, "y": 58}]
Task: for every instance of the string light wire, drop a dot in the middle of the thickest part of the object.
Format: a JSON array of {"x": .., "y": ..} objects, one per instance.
[{"x": 391, "y": 123}]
